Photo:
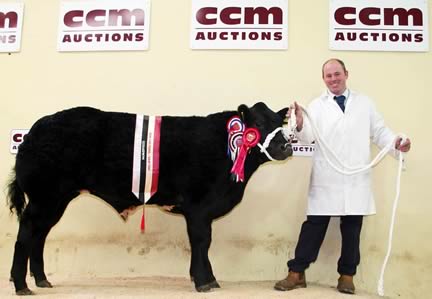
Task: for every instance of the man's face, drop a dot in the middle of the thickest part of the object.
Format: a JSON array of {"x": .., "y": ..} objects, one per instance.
[{"x": 335, "y": 77}]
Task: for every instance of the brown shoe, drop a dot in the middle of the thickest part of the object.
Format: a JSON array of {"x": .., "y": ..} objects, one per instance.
[
  {"x": 346, "y": 284},
  {"x": 293, "y": 281}
]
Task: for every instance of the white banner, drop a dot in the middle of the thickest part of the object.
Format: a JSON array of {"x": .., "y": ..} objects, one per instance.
[
  {"x": 302, "y": 150},
  {"x": 104, "y": 25},
  {"x": 239, "y": 24},
  {"x": 379, "y": 25},
  {"x": 11, "y": 19},
  {"x": 16, "y": 138}
]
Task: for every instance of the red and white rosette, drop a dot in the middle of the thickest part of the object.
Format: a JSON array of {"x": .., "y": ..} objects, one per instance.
[
  {"x": 235, "y": 128},
  {"x": 251, "y": 137}
]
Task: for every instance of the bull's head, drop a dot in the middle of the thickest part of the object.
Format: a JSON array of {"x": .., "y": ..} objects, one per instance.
[{"x": 269, "y": 124}]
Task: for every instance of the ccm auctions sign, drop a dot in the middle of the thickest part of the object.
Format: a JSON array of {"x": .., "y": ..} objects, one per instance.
[
  {"x": 379, "y": 25},
  {"x": 16, "y": 138},
  {"x": 11, "y": 17},
  {"x": 104, "y": 25},
  {"x": 239, "y": 24}
]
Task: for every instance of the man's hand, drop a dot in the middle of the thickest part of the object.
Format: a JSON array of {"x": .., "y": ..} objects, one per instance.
[
  {"x": 405, "y": 147},
  {"x": 298, "y": 114}
]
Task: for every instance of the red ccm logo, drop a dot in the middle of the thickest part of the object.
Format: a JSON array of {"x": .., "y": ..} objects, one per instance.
[
  {"x": 11, "y": 17},
  {"x": 17, "y": 137},
  {"x": 8, "y": 20},
  {"x": 103, "y": 18},
  {"x": 240, "y": 15},
  {"x": 376, "y": 16}
]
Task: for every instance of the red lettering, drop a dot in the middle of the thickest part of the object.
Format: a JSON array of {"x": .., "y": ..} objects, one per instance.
[
  {"x": 101, "y": 17},
  {"x": 88, "y": 37},
  {"x": 67, "y": 39},
  {"x": 340, "y": 15},
  {"x": 339, "y": 36},
  {"x": 278, "y": 36},
  {"x": 69, "y": 18},
  {"x": 263, "y": 15},
  {"x": 363, "y": 36},
  {"x": 202, "y": 13},
  {"x": 139, "y": 37},
  {"x": 200, "y": 36},
  {"x": 365, "y": 13},
  {"x": 403, "y": 14},
  {"x": 18, "y": 137},
  {"x": 394, "y": 37},
  {"x": 226, "y": 13},
  {"x": 12, "y": 18},
  {"x": 386, "y": 16},
  {"x": 406, "y": 37},
  {"x": 418, "y": 37},
  {"x": 233, "y": 15},
  {"x": 126, "y": 17},
  {"x": 92, "y": 16}
]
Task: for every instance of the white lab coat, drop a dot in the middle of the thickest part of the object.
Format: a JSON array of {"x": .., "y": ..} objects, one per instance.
[{"x": 348, "y": 135}]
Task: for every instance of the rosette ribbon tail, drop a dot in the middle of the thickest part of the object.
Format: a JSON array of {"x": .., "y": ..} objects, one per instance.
[{"x": 251, "y": 138}]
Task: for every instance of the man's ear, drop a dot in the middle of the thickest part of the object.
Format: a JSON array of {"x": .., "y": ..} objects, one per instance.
[
  {"x": 245, "y": 115},
  {"x": 282, "y": 113}
]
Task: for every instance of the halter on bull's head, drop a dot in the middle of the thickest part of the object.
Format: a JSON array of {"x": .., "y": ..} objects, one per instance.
[{"x": 274, "y": 143}]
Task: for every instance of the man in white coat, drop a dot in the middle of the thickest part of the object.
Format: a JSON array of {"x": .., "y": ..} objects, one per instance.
[{"x": 348, "y": 122}]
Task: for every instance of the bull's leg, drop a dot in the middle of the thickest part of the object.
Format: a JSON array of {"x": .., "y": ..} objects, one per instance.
[
  {"x": 22, "y": 252},
  {"x": 199, "y": 233},
  {"x": 213, "y": 284},
  {"x": 37, "y": 262},
  {"x": 36, "y": 255},
  {"x": 36, "y": 222}
]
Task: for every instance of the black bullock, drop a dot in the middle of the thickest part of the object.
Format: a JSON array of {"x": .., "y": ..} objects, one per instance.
[{"x": 88, "y": 149}]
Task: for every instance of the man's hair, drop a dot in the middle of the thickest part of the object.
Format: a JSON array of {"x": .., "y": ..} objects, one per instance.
[{"x": 334, "y": 59}]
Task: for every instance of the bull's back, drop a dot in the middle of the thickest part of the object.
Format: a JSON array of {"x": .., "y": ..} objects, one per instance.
[
  {"x": 63, "y": 137},
  {"x": 67, "y": 146}
]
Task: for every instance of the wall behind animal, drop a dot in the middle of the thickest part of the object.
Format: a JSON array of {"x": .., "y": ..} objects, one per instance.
[{"x": 259, "y": 235}]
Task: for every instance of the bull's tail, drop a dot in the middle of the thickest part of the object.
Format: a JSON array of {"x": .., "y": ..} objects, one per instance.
[{"x": 16, "y": 197}]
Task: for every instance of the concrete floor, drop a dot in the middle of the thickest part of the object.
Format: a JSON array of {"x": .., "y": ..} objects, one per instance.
[{"x": 170, "y": 287}]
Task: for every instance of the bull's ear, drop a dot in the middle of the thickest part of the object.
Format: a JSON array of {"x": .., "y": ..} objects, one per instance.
[
  {"x": 245, "y": 114},
  {"x": 282, "y": 113}
]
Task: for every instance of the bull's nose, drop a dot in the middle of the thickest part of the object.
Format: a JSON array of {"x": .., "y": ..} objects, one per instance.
[
  {"x": 287, "y": 149},
  {"x": 285, "y": 146}
]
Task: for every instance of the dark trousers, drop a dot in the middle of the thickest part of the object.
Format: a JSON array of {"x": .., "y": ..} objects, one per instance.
[{"x": 312, "y": 235}]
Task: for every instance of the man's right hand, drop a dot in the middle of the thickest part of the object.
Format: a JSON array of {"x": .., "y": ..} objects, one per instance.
[{"x": 298, "y": 114}]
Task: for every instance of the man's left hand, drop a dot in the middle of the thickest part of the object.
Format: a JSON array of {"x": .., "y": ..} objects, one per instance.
[{"x": 404, "y": 147}]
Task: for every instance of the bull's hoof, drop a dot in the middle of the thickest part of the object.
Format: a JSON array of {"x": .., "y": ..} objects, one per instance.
[
  {"x": 24, "y": 292},
  {"x": 44, "y": 284},
  {"x": 214, "y": 284},
  {"x": 204, "y": 288},
  {"x": 208, "y": 286}
]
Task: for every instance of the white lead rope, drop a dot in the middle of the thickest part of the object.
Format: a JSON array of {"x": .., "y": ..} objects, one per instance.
[
  {"x": 357, "y": 169},
  {"x": 390, "y": 238},
  {"x": 351, "y": 169}
]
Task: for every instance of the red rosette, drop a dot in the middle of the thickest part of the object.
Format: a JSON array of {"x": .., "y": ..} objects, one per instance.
[{"x": 251, "y": 137}]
